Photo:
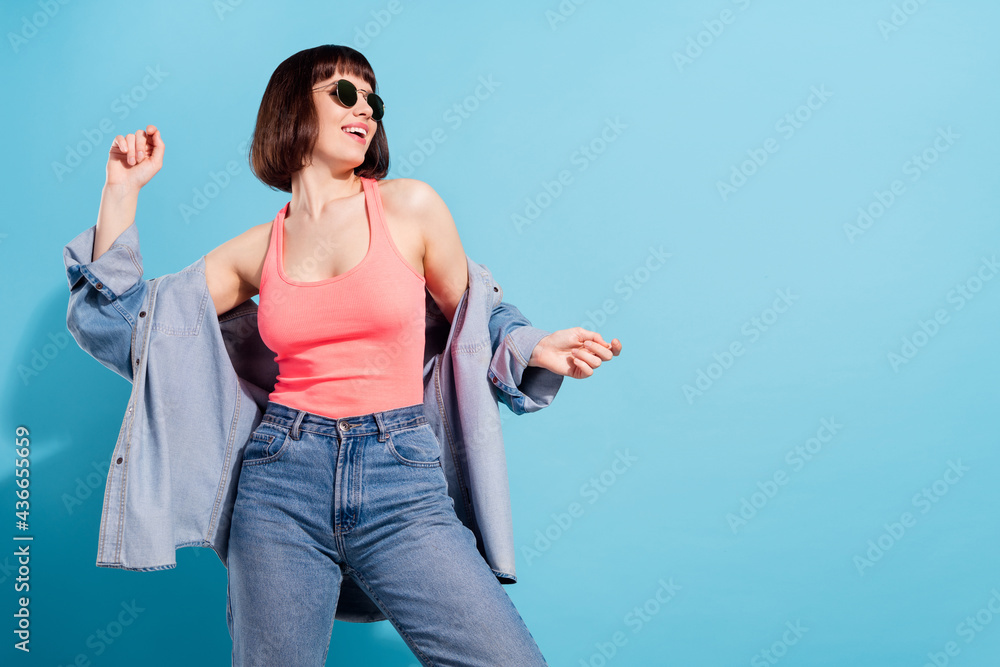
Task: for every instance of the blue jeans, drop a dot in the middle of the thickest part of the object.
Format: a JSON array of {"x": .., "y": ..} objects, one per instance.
[{"x": 364, "y": 496}]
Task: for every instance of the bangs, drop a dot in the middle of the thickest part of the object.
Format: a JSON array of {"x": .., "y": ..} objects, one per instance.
[{"x": 328, "y": 67}]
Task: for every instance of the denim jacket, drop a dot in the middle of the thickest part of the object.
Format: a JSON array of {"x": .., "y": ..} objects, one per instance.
[{"x": 200, "y": 385}]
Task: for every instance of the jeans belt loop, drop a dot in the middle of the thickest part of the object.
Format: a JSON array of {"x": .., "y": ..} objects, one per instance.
[
  {"x": 294, "y": 431},
  {"x": 382, "y": 430}
]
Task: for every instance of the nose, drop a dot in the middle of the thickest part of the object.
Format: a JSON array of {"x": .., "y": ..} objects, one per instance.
[{"x": 363, "y": 106}]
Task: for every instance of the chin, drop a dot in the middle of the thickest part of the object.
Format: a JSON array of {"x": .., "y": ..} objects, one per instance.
[{"x": 339, "y": 161}]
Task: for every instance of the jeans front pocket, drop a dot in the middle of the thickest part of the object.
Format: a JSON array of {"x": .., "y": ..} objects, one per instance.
[
  {"x": 415, "y": 446},
  {"x": 267, "y": 443}
]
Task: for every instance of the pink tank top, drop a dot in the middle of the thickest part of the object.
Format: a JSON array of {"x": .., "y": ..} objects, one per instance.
[{"x": 351, "y": 344}]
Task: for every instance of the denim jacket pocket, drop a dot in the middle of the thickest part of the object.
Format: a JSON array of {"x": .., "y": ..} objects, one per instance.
[
  {"x": 180, "y": 310},
  {"x": 415, "y": 446},
  {"x": 267, "y": 443}
]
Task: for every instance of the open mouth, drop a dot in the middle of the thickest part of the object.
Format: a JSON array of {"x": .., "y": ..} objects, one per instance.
[{"x": 355, "y": 133}]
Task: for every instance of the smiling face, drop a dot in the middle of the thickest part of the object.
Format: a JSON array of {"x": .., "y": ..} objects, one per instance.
[{"x": 336, "y": 145}]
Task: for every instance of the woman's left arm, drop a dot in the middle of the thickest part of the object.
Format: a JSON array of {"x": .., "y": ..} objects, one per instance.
[{"x": 446, "y": 272}]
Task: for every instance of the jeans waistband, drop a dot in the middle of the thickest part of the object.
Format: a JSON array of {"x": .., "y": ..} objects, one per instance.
[{"x": 374, "y": 422}]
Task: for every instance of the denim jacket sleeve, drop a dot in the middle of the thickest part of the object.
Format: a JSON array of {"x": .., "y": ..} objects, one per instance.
[
  {"x": 105, "y": 296},
  {"x": 520, "y": 387}
]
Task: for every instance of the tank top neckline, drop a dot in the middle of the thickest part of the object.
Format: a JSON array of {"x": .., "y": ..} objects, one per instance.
[{"x": 373, "y": 209}]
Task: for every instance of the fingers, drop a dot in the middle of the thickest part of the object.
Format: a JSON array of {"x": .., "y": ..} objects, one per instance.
[
  {"x": 591, "y": 354},
  {"x": 615, "y": 346},
  {"x": 586, "y": 335},
  {"x": 583, "y": 369},
  {"x": 599, "y": 350},
  {"x": 130, "y": 153},
  {"x": 596, "y": 337},
  {"x": 156, "y": 142},
  {"x": 140, "y": 145}
]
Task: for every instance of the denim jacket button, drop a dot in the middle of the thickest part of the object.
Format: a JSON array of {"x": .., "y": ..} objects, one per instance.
[
  {"x": 496, "y": 381},
  {"x": 99, "y": 285},
  {"x": 119, "y": 459},
  {"x": 142, "y": 313}
]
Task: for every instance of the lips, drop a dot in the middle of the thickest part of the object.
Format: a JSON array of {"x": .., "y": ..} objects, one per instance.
[{"x": 357, "y": 137}]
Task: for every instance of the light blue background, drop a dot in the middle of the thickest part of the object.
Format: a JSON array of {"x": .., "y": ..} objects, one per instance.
[{"x": 654, "y": 184}]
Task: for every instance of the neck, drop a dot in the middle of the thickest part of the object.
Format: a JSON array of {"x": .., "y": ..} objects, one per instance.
[{"x": 315, "y": 186}]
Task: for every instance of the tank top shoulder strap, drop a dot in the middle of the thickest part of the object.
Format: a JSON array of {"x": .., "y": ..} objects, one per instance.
[
  {"x": 270, "y": 266},
  {"x": 379, "y": 228},
  {"x": 382, "y": 239}
]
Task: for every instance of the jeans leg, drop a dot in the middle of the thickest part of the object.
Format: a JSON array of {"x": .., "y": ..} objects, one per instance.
[
  {"x": 419, "y": 563},
  {"x": 284, "y": 581}
]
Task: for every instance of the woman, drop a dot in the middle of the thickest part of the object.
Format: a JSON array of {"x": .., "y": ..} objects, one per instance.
[{"x": 343, "y": 475}]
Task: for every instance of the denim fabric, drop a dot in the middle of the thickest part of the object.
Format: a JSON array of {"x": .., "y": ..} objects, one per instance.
[
  {"x": 322, "y": 501},
  {"x": 200, "y": 384}
]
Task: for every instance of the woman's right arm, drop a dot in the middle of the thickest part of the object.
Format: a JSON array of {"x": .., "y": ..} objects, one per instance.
[
  {"x": 232, "y": 268},
  {"x": 117, "y": 212},
  {"x": 132, "y": 161},
  {"x": 103, "y": 263}
]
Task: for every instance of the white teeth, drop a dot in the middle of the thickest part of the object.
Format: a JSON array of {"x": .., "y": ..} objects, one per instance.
[{"x": 356, "y": 130}]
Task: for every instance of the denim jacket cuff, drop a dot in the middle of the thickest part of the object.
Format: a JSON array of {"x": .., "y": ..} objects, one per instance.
[
  {"x": 522, "y": 388},
  {"x": 114, "y": 272}
]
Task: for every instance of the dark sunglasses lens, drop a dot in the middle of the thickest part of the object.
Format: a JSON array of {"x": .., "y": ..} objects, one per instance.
[
  {"x": 347, "y": 93},
  {"x": 378, "y": 107}
]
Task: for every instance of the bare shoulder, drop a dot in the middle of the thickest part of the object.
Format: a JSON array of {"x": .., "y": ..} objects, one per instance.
[
  {"x": 410, "y": 197},
  {"x": 233, "y": 269},
  {"x": 446, "y": 270},
  {"x": 251, "y": 249},
  {"x": 243, "y": 249}
]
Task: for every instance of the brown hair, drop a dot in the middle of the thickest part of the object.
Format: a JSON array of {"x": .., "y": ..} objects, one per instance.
[{"x": 287, "y": 125}]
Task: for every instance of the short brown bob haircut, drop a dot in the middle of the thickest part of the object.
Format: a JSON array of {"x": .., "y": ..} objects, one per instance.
[{"x": 287, "y": 125}]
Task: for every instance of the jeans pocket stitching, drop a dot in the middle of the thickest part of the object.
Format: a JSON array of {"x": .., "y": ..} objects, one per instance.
[
  {"x": 269, "y": 439},
  {"x": 405, "y": 461}
]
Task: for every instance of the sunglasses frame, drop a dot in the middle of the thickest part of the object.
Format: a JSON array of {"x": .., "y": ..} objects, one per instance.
[{"x": 335, "y": 92}]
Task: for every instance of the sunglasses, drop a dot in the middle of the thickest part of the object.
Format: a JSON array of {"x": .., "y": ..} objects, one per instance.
[{"x": 347, "y": 93}]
